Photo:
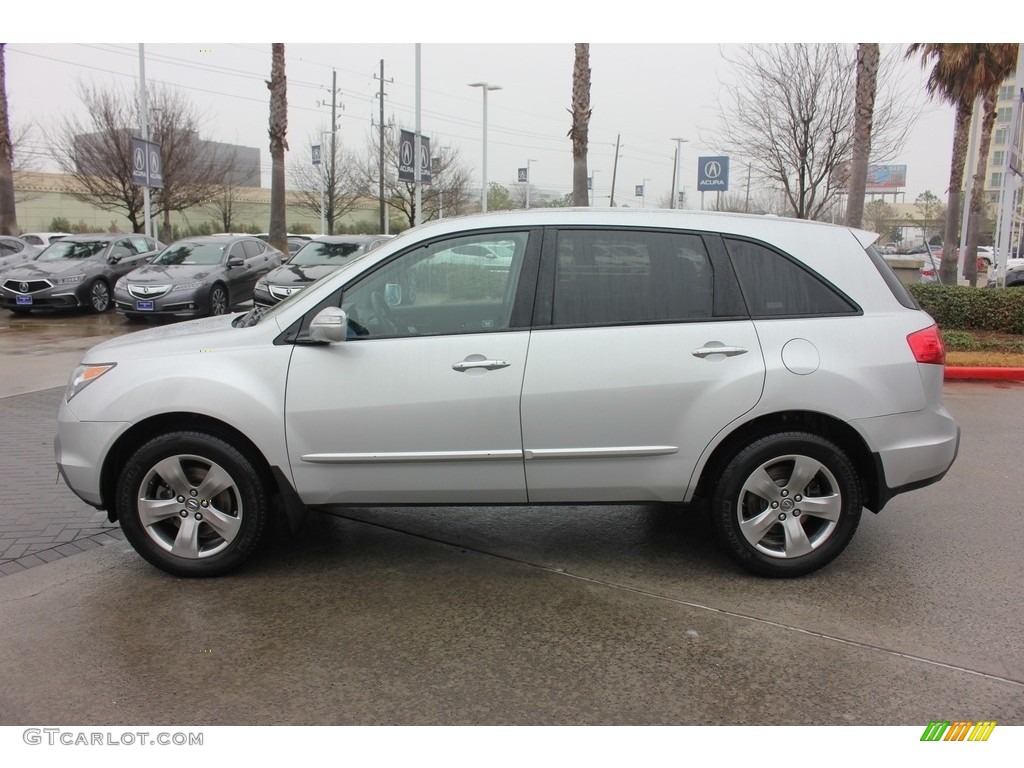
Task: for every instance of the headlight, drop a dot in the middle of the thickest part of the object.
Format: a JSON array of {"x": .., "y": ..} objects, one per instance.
[
  {"x": 187, "y": 286},
  {"x": 70, "y": 280},
  {"x": 83, "y": 376}
]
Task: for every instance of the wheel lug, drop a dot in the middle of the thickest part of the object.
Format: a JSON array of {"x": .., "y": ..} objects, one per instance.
[
  {"x": 183, "y": 513},
  {"x": 775, "y": 505},
  {"x": 798, "y": 498},
  {"x": 205, "y": 503},
  {"x": 782, "y": 515},
  {"x": 193, "y": 492},
  {"x": 199, "y": 516},
  {"x": 785, "y": 493},
  {"x": 796, "y": 513},
  {"x": 181, "y": 499}
]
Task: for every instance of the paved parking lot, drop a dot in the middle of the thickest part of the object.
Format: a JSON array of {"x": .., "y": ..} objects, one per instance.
[{"x": 542, "y": 615}]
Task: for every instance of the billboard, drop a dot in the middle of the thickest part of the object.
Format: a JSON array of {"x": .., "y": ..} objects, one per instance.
[{"x": 886, "y": 178}]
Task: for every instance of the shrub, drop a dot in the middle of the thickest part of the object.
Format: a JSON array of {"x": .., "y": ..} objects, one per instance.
[
  {"x": 961, "y": 307},
  {"x": 60, "y": 224}
]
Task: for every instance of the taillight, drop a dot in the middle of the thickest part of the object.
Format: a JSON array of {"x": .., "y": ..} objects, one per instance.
[{"x": 927, "y": 346}]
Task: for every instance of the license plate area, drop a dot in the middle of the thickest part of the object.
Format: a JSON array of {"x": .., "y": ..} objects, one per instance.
[
  {"x": 144, "y": 306},
  {"x": 24, "y": 300}
]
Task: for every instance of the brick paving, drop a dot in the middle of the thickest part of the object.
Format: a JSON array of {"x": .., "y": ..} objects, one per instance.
[{"x": 41, "y": 520}]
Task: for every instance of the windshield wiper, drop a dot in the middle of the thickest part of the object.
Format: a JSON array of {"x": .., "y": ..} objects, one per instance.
[{"x": 250, "y": 318}]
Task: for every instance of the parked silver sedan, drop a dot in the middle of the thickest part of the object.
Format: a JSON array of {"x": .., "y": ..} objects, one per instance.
[{"x": 197, "y": 276}]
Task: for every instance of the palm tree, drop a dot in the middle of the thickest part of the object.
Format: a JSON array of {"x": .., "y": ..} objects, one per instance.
[
  {"x": 8, "y": 217},
  {"x": 581, "y": 112},
  {"x": 996, "y": 63},
  {"x": 278, "y": 85},
  {"x": 868, "y": 55},
  {"x": 961, "y": 72}
]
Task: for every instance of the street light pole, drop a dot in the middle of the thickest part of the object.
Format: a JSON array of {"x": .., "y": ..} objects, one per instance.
[
  {"x": 675, "y": 171},
  {"x": 483, "y": 193},
  {"x": 528, "y": 161}
]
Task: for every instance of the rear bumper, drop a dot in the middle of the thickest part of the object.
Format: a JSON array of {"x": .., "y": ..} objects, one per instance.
[{"x": 912, "y": 449}]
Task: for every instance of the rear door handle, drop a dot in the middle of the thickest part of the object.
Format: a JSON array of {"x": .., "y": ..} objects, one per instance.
[
  {"x": 719, "y": 350},
  {"x": 490, "y": 365}
]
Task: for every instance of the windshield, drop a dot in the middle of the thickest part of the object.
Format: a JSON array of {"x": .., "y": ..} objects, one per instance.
[
  {"x": 191, "y": 253},
  {"x": 318, "y": 253},
  {"x": 63, "y": 250}
]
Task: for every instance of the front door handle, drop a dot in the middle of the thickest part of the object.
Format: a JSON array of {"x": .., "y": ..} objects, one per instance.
[
  {"x": 719, "y": 350},
  {"x": 489, "y": 365}
]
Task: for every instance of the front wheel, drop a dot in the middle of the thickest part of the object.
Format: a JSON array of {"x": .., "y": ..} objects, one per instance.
[
  {"x": 99, "y": 297},
  {"x": 787, "y": 505},
  {"x": 218, "y": 300},
  {"x": 192, "y": 504}
]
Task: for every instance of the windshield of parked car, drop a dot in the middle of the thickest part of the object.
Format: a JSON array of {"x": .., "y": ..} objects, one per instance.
[
  {"x": 63, "y": 250},
  {"x": 318, "y": 253},
  {"x": 191, "y": 253}
]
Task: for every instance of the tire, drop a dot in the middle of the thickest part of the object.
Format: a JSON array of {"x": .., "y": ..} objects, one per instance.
[
  {"x": 99, "y": 297},
  {"x": 219, "y": 300},
  {"x": 787, "y": 505},
  {"x": 165, "y": 517}
]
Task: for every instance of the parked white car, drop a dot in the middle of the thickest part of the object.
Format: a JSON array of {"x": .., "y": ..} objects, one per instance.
[{"x": 774, "y": 369}]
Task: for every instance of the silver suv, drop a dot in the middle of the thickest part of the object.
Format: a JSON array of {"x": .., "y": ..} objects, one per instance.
[{"x": 774, "y": 370}]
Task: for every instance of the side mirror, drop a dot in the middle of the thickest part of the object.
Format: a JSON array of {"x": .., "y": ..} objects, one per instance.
[
  {"x": 113, "y": 259},
  {"x": 235, "y": 262},
  {"x": 329, "y": 326}
]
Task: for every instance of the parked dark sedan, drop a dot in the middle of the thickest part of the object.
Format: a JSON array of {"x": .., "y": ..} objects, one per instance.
[
  {"x": 75, "y": 271},
  {"x": 197, "y": 276},
  {"x": 317, "y": 258}
]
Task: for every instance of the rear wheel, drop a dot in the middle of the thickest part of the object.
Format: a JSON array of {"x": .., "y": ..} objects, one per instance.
[
  {"x": 192, "y": 504},
  {"x": 787, "y": 504}
]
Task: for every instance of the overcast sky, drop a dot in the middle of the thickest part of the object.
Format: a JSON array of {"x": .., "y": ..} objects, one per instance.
[{"x": 647, "y": 92}]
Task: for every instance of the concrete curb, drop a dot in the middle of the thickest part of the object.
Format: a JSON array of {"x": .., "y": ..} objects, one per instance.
[{"x": 984, "y": 374}]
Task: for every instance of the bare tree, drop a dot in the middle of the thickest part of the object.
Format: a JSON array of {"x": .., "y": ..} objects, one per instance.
[
  {"x": 336, "y": 186},
  {"x": 790, "y": 113},
  {"x": 879, "y": 217},
  {"x": 448, "y": 194},
  {"x": 96, "y": 153},
  {"x": 278, "y": 85},
  {"x": 8, "y": 214},
  {"x": 868, "y": 55},
  {"x": 579, "y": 132}
]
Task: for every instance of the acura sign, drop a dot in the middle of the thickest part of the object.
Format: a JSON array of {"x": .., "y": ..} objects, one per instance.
[{"x": 713, "y": 174}]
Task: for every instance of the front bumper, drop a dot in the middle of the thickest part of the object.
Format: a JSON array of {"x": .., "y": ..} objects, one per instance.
[
  {"x": 58, "y": 297},
  {"x": 79, "y": 448},
  {"x": 180, "y": 304}
]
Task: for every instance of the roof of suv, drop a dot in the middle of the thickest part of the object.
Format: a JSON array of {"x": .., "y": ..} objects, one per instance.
[{"x": 751, "y": 225}]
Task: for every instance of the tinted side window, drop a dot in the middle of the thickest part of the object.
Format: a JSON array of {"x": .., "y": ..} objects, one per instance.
[
  {"x": 237, "y": 251},
  {"x": 142, "y": 244},
  {"x": 607, "y": 276},
  {"x": 253, "y": 248},
  {"x": 465, "y": 284},
  {"x": 776, "y": 286},
  {"x": 7, "y": 248}
]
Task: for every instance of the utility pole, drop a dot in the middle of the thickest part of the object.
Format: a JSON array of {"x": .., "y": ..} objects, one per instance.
[
  {"x": 333, "y": 178},
  {"x": 380, "y": 170},
  {"x": 615, "y": 167}
]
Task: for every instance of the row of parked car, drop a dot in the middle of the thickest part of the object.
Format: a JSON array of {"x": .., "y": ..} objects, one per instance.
[{"x": 141, "y": 277}]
